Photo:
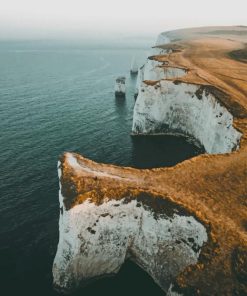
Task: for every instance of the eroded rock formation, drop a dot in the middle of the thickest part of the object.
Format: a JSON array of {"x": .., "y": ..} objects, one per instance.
[
  {"x": 192, "y": 110},
  {"x": 185, "y": 225},
  {"x": 97, "y": 237}
]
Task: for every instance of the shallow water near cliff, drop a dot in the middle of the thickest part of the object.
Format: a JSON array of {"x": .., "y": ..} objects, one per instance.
[{"x": 57, "y": 97}]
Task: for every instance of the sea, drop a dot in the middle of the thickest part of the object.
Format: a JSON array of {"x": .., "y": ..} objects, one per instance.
[{"x": 58, "y": 96}]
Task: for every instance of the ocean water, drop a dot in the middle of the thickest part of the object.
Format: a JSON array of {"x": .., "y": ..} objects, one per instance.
[{"x": 57, "y": 97}]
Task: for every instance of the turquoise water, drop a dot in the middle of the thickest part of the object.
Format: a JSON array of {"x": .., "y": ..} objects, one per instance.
[{"x": 57, "y": 97}]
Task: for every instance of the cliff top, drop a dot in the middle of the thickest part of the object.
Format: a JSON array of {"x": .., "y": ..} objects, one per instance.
[{"x": 217, "y": 62}]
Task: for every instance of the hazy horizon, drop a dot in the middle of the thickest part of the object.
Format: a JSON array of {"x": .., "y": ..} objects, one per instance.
[{"x": 95, "y": 19}]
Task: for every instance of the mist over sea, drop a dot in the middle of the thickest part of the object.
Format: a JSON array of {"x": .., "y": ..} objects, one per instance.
[{"x": 56, "y": 97}]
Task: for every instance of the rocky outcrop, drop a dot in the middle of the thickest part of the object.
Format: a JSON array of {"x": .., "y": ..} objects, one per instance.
[{"x": 96, "y": 238}]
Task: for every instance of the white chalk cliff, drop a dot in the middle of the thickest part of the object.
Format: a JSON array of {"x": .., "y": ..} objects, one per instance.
[
  {"x": 162, "y": 39},
  {"x": 185, "y": 109},
  {"x": 95, "y": 240}
]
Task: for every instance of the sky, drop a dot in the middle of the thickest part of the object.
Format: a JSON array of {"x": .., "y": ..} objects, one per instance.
[{"x": 101, "y": 18}]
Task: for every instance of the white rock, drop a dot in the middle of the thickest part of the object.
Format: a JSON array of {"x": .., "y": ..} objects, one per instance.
[
  {"x": 161, "y": 40},
  {"x": 177, "y": 109},
  {"x": 95, "y": 240}
]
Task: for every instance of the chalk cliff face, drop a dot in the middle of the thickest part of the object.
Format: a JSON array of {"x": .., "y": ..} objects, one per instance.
[
  {"x": 151, "y": 70},
  {"x": 162, "y": 39},
  {"x": 185, "y": 109},
  {"x": 154, "y": 71}
]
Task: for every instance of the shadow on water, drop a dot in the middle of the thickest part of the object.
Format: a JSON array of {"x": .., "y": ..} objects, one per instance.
[
  {"x": 159, "y": 151},
  {"x": 120, "y": 103},
  {"x": 130, "y": 280}
]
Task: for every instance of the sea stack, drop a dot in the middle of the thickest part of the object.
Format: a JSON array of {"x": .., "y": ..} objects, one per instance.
[
  {"x": 184, "y": 225},
  {"x": 120, "y": 87},
  {"x": 133, "y": 67}
]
